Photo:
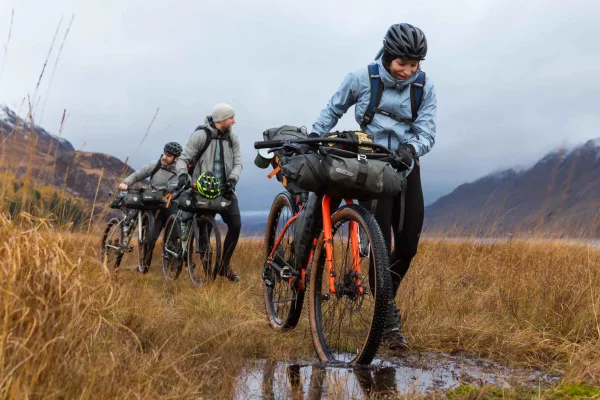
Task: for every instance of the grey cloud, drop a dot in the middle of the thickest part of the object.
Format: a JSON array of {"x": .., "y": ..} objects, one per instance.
[{"x": 514, "y": 79}]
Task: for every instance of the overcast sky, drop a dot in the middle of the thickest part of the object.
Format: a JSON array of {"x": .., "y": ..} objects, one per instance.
[{"x": 514, "y": 79}]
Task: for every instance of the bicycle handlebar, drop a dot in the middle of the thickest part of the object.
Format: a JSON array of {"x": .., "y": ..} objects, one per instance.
[
  {"x": 175, "y": 194},
  {"x": 280, "y": 143}
]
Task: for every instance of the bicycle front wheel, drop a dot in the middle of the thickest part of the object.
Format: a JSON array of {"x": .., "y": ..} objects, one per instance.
[
  {"x": 111, "y": 252},
  {"x": 204, "y": 251},
  {"x": 172, "y": 252},
  {"x": 348, "y": 304},
  {"x": 283, "y": 299}
]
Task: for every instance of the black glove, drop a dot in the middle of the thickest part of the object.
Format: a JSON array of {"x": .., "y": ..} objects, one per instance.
[
  {"x": 229, "y": 186},
  {"x": 228, "y": 190},
  {"x": 403, "y": 158},
  {"x": 183, "y": 181}
]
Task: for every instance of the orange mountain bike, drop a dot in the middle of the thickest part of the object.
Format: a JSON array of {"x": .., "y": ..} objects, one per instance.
[{"x": 347, "y": 276}]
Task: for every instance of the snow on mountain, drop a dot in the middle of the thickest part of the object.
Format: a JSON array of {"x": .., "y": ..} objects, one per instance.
[{"x": 11, "y": 120}]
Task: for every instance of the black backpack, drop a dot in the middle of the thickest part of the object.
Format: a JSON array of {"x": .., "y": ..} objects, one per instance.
[{"x": 209, "y": 139}]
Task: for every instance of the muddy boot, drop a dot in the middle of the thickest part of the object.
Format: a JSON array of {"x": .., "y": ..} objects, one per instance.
[
  {"x": 229, "y": 274},
  {"x": 392, "y": 338}
]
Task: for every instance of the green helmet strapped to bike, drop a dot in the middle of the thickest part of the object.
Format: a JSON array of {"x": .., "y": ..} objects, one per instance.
[{"x": 208, "y": 185}]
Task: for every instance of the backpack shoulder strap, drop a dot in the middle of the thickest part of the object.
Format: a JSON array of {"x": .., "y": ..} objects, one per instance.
[
  {"x": 376, "y": 93},
  {"x": 192, "y": 164},
  {"x": 417, "y": 89},
  {"x": 156, "y": 168},
  {"x": 207, "y": 141}
]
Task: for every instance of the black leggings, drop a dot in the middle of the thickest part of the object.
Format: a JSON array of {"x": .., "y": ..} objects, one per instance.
[
  {"x": 387, "y": 215},
  {"x": 233, "y": 219}
]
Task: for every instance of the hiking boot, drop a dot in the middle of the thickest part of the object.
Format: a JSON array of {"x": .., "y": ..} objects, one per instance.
[
  {"x": 394, "y": 341},
  {"x": 230, "y": 274},
  {"x": 392, "y": 338}
]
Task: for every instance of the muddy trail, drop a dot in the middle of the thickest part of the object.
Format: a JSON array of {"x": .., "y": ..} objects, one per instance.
[{"x": 413, "y": 374}]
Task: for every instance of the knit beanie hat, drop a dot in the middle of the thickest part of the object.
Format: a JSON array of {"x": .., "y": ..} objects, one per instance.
[{"x": 221, "y": 112}]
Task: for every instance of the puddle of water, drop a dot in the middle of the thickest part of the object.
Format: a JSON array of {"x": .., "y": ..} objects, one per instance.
[{"x": 423, "y": 373}]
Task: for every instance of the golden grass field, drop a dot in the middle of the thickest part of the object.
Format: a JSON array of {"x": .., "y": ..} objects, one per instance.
[{"x": 73, "y": 329}]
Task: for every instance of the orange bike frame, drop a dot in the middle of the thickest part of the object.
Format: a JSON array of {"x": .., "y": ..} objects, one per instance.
[
  {"x": 283, "y": 231},
  {"x": 328, "y": 239}
]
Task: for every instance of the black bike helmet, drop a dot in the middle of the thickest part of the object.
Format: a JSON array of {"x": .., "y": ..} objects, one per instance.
[
  {"x": 173, "y": 148},
  {"x": 405, "y": 41}
]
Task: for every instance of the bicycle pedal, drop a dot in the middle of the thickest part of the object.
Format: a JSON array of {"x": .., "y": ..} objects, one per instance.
[
  {"x": 286, "y": 273},
  {"x": 325, "y": 297}
]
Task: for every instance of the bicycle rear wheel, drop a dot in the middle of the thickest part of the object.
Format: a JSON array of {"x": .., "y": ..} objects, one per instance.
[
  {"x": 283, "y": 299},
  {"x": 172, "y": 252},
  {"x": 347, "y": 325},
  {"x": 204, "y": 252},
  {"x": 144, "y": 247},
  {"x": 111, "y": 251}
]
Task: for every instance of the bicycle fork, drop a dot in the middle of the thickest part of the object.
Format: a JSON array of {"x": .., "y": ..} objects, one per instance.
[
  {"x": 329, "y": 254},
  {"x": 140, "y": 228}
]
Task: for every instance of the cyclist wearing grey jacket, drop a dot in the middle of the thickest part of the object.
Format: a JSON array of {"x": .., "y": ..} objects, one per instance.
[
  {"x": 161, "y": 173},
  {"x": 221, "y": 157},
  {"x": 166, "y": 173}
]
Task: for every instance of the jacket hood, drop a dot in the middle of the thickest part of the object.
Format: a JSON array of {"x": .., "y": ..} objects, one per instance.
[{"x": 389, "y": 81}]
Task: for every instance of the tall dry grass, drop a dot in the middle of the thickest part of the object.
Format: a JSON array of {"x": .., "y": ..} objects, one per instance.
[
  {"x": 71, "y": 328},
  {"x": 529, "y": 303}
]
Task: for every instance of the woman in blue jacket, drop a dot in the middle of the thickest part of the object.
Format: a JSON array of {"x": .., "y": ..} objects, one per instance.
[{"x": 399, "y": 122}]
